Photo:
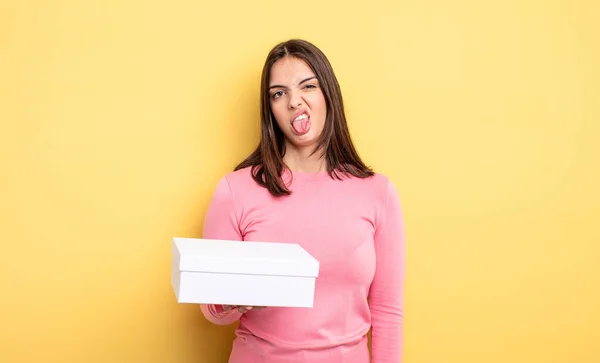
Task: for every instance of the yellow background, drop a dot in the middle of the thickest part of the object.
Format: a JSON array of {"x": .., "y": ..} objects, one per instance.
[{"x": 118, "y": 118}]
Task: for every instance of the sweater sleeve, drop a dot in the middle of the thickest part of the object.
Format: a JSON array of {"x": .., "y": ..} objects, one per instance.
[
  {"x": 386, "y": 295},
  {"x": 221, "y": 222}
]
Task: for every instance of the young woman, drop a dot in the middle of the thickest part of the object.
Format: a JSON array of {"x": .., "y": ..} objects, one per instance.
[{"x": 306, "y": 184}]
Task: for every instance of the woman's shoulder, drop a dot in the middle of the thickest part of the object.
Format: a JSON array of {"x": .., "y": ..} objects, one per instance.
[
  {"x": 238, "y": 185},
  {"x": 377, "y": 181},
  {"x": 379, "y": 187},
  {"x": 381, "y": 179},
  {"x": 242, "y": 175},
  {"x": 240, "y": 179}
]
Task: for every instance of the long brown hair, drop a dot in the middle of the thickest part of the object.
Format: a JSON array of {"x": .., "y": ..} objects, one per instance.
[{"x": 335, "y": 141}]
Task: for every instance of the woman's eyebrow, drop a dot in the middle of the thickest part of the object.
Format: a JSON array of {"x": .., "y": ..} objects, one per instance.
[
  {"x": 306, "y": 80},
  {"x": 302, "y": 81}
]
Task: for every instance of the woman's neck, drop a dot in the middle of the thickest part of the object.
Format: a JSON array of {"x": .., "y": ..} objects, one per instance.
[{"x": 300, "y": 160}]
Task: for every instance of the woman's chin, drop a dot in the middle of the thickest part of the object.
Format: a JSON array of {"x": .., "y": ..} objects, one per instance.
[{"x": 303, "y": 141}]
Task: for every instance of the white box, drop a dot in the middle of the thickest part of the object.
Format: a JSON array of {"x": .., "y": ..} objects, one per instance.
[{"x": 242, "y": 273}]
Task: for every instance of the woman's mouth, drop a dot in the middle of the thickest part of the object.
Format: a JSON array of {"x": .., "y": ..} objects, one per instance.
[{"x": 301, "y": 124}]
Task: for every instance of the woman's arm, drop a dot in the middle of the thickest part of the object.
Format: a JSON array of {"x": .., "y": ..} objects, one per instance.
[
  {"x": 386, "y": 296},
  {"x": 217, "y": 315},
  {"x": 221, "y": 222}
]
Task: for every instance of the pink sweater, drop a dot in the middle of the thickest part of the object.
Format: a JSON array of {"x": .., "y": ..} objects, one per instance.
[{"x": 354, "y": 228}]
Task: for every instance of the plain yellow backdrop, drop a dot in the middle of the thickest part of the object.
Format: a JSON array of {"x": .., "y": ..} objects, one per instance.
[{"x": 119, "y": 117}]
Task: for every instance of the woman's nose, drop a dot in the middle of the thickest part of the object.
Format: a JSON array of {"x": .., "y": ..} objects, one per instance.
[{"x": 295, "y": 100}]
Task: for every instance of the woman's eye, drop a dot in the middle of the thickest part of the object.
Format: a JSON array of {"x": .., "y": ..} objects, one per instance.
[
  {"x": 277, "y": 94},
  {"x": 311, "y": 86}
]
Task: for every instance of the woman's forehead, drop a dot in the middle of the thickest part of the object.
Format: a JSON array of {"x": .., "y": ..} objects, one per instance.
[{"x": 290, "y": 71}]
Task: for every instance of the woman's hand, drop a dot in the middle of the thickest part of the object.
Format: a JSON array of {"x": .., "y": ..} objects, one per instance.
[{"x": 241, "y": 309}]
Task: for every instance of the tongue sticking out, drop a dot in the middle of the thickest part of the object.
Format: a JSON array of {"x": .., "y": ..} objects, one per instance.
[{"x": 301, "y": 127}]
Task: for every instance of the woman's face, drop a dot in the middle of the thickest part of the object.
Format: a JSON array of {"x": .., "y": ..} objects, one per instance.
[{"x": 297, "y": 101}]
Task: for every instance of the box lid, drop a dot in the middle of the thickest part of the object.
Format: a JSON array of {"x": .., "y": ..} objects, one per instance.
[{"x": 244, "y": 257}]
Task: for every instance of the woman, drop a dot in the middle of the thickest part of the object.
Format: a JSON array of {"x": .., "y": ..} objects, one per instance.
[{"x": 306, "y": 184}]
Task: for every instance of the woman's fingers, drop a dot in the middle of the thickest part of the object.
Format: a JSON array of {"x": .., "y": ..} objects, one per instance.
[{"x": 242, "y": 309}]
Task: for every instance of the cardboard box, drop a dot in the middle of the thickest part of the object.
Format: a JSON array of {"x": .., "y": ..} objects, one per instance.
[{"x": 242, "y": 273}]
